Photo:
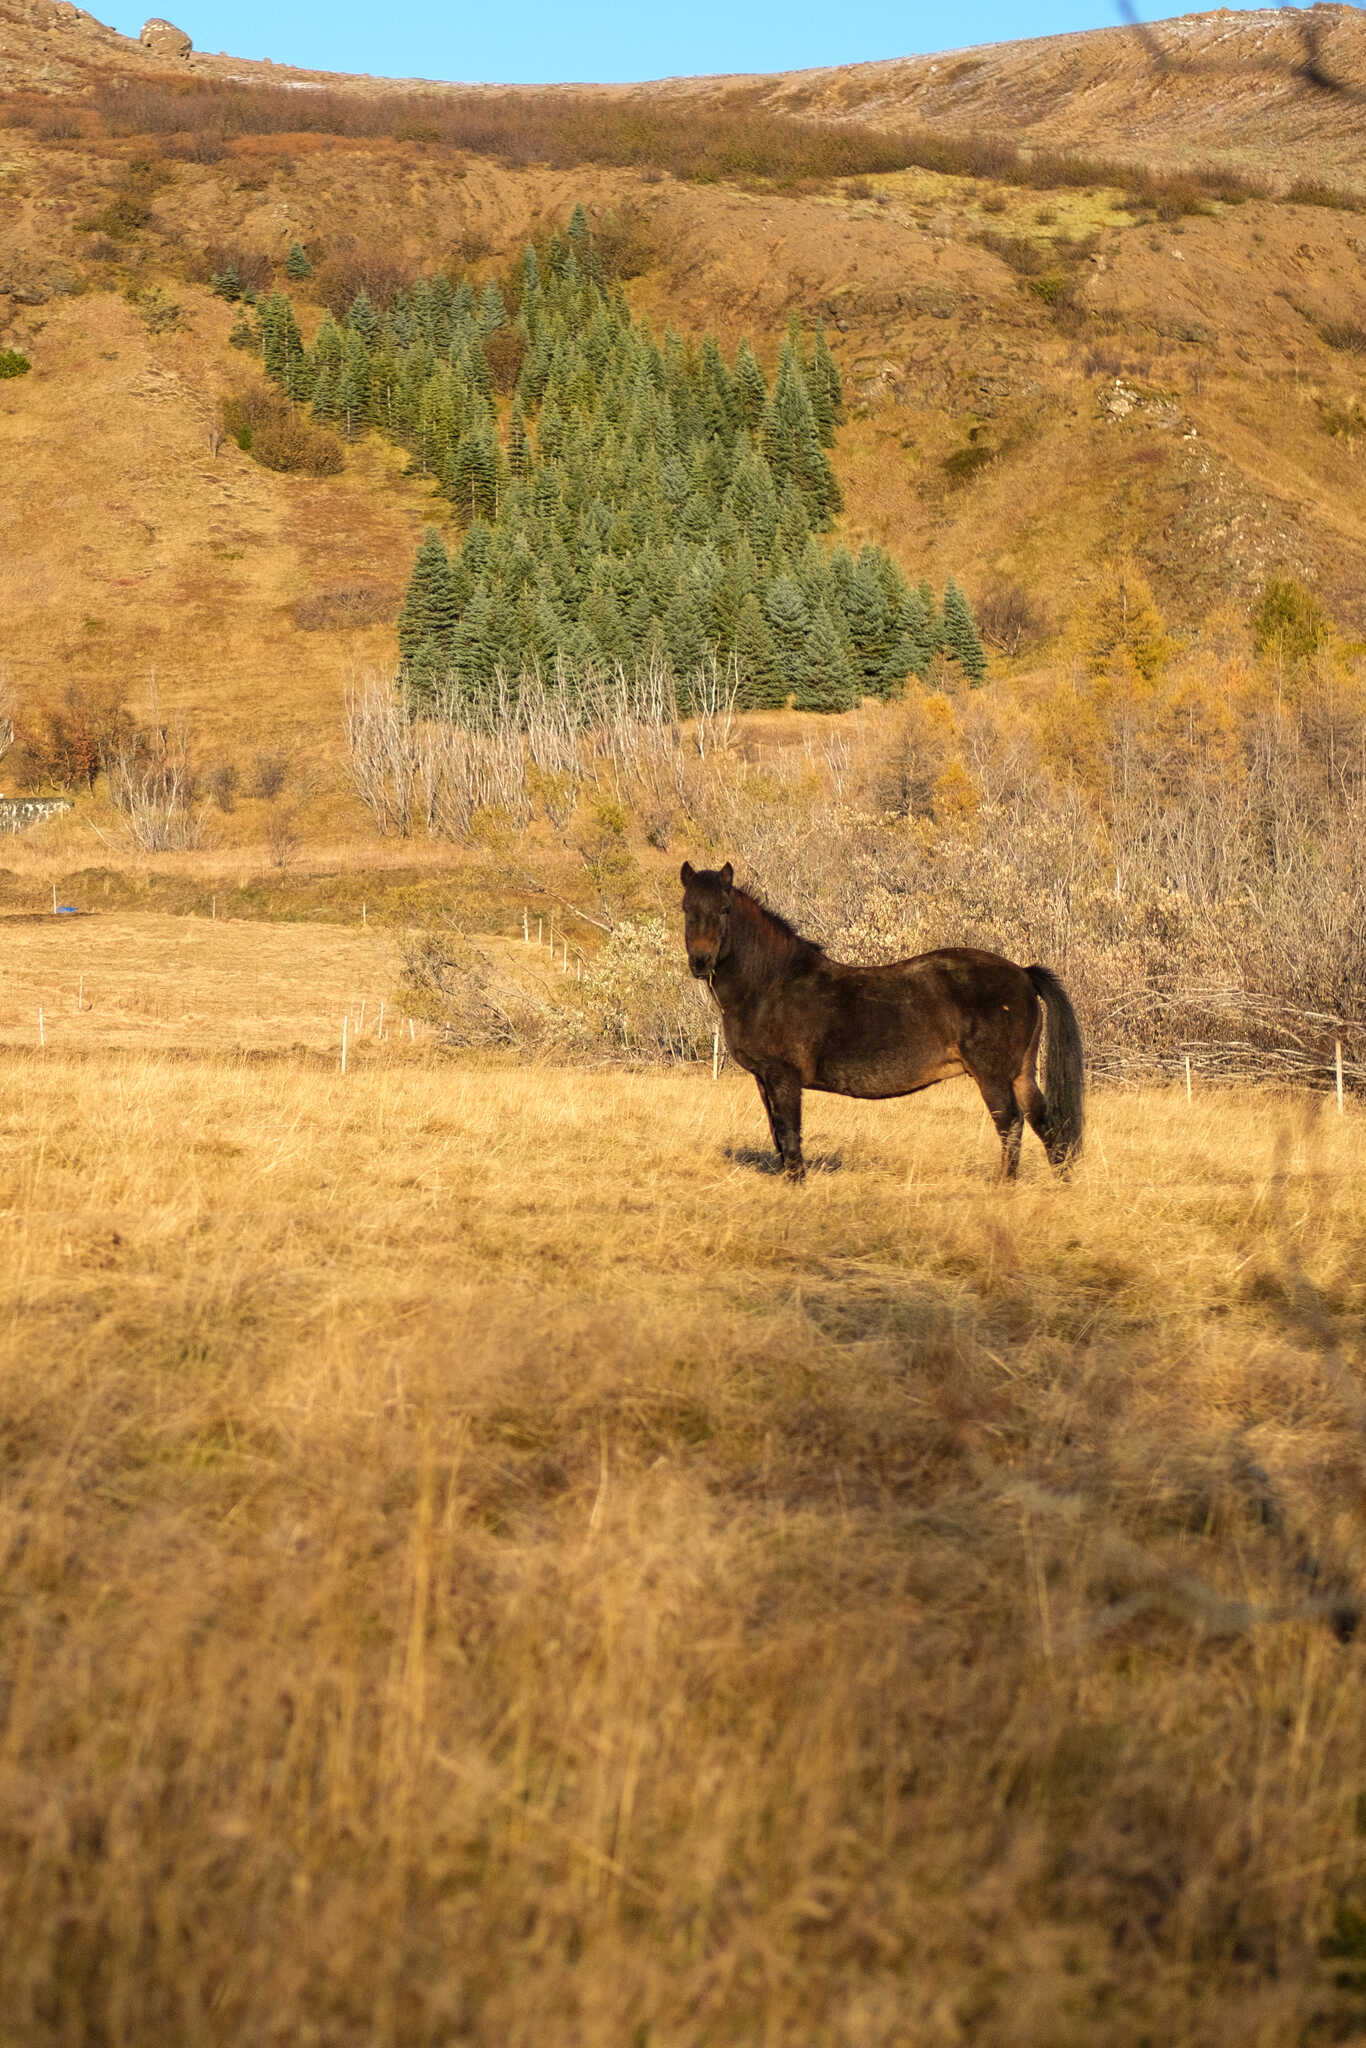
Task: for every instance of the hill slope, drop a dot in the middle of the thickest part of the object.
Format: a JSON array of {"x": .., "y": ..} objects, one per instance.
[{"x": 1037, "y": 379}]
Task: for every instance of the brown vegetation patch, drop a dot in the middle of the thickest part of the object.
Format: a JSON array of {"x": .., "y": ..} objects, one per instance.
[{"x": 343, "y": 606}]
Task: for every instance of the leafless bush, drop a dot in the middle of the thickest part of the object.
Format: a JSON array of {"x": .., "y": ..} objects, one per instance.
[
  {"x": 274, "y": 433},
  {"x": 1010, "y": 619},
  {"x": 282, "y": 835},
  {"x": 270, "y": 773},
  {"x": 348, "y": 268},
  {"x": 66, "y": 745},
  {"x": 343, "y": 606},
  {"x": 639, "y": 1000},
  {"x": 1344, "y": 334},
  {"x": 152, "y": 782},
  {"x": 222, "y": 782},
  {"x": 252, "y": 268},
  {"x": 475, "y": 999},
  {"x": 535, "y": 742},
  {"x": 504, "y": 352}
]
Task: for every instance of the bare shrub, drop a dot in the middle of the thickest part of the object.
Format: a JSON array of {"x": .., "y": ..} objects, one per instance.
[
  {"x": 222, "y": 781},
  {"x": 534, "y": 743},
  {"x": 348, "y": 268},
  {"x": 1316, "y": 192},
  {"x": 67, "y": 745},
  {"x": 504, "y": 352},
  {"x": 1009, "y": 619},
  {"x": 1026, "y": 258},
  {"x": 275, "y": 433},
  {"x": 475, "y": 999},
  {"x": 153, "y": 783},
  {"x": 341, "y": 607},
  {"x": 627, "y": 240},
  {"x": 252, "y": 269},
  {"x": 270, "y": 773},
  {"x": 1344, "y": 334},
  {"x": 640, "y": 1001},
  {"x": 282, "y": 835}
]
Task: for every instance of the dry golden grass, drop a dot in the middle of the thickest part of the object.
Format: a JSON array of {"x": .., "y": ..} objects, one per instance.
[
  {"x": 190, "y": 983},
  {"x": 485, "y": 1560}
]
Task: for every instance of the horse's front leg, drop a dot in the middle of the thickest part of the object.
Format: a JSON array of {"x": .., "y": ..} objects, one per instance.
[
  {"x": 783, "y": 1098},
  {"x": 767, "y": 1101}
]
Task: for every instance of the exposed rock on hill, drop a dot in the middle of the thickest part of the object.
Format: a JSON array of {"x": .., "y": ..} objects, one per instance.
[{"x": 164, "y": 39}]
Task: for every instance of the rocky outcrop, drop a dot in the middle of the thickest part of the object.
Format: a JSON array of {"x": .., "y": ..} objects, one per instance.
[{"x": 164, "y": 39}]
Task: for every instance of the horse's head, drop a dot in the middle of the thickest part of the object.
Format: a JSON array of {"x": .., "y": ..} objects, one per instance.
[{"x": 706, "y": 916}]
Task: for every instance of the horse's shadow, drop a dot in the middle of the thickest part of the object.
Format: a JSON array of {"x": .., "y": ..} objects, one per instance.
[{"x": 759, "y": 1160}]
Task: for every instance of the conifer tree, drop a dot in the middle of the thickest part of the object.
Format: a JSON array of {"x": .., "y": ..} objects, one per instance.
[
  {"x": 476, "y": 648},
  {"x": 282, "y": 347},
  {"x": 789, "y": 622},
  {"x": 297, "y": 264},
  {"x": 684, "y": 638},
  {"x": 934, "y": 639},
  {"x": 761, "y": 686},
  {"x": 914, "y": 640},
  {"x": 385, "y": 380},
  {"x": 1290, "y": 623},
  {"x": 353, "y": 387},
  {"x": 960, "y": 635},
  {"x": 1122, "y": 618},
  {"x": 324, "y": 405},
  {"x": 644, "y": 497},
  {"x": 871, "y": 623},
  {"x": 751, "y": 392},
  {"x": 826, "y": 391},
  {"x": 427, "y": 621},
  {"x": 362, "y": 318},
  {"x": 826, "y": 682},
  {"x": 519, "y": 456}
]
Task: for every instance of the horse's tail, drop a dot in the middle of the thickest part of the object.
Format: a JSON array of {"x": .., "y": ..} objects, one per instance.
[{"x": 1064, "y": 1082}]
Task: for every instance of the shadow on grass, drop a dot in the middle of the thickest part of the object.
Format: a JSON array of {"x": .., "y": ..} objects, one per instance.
[{"x": 760, "y": 1160}]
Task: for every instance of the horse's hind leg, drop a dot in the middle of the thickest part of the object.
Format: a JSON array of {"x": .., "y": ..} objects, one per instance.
[
  {"x": 782, "y": 1091},
  {"x": 1030, "y": 1097},
  {"x": 1004, "y": 1111}
]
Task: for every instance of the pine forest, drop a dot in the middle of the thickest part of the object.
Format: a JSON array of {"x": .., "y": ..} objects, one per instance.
[{"x": 629, "y": 502}]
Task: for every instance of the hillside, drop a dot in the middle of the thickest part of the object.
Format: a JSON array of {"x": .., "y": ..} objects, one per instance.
[
  {"x": 1038, "y": 378},
  {"x": 1217, "y": 87}
]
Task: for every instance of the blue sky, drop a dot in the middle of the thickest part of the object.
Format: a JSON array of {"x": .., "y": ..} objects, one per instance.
[{"x": 535, "y": 41}]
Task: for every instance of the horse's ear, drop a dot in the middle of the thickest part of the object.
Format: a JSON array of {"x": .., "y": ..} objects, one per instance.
[
  {"x": 686, "y": 873},
  {"x": 727, "y": 875}
]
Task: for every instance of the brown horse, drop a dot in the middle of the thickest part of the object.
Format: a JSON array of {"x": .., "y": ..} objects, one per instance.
[{"x": 795, "y": 1019}]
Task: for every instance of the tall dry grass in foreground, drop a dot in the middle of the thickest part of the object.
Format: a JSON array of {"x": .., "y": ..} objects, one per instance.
[{"x": 485, "y": 1561}]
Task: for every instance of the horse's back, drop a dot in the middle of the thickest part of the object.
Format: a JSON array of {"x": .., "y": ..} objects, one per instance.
[{"x": 893, "y": 1029}]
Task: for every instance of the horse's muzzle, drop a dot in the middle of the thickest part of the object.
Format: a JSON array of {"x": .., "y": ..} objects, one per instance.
[{"x": 700, "y": 968}]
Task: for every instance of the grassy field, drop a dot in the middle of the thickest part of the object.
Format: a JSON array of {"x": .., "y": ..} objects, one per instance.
[{"x": 486, "y": 1561}]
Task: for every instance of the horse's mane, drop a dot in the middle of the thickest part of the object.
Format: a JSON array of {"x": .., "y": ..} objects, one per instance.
[{"x": 764, "y": 940}]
